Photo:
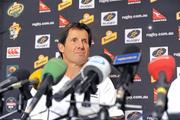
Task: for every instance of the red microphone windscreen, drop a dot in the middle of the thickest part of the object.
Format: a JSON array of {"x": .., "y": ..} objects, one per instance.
[{"x": 164, "y": 63}]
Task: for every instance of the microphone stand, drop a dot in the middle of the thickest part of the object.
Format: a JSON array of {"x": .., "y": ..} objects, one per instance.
[
  {"x": 103, "y": 113},
  {"x": 1, "y": 103},
  {"x": 122, "y": 92},
  {"x": 161, "y": 103},
  {"x": 49, "y": 100},
  {"x": 72, "y": 111},
  {"x": 86, "y": 102}
]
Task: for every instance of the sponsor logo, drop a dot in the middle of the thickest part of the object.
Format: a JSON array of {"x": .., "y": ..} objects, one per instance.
[
  {"x": 129, "y": 17},
  {"x": 14, "y": 30},
  {"x": 42, "y": 41},
  {"x": 179, "y": 32},
  {"x": 87, "y": 18},
  {"x": 178, "y": 15},
  {"x": 137, "y": 78},
  {"x": 11, "y": 104},
  {"x": 106, "y": 51},
  {"x": 15, "y": 9},
  {"x": 13, "y": 52},
  {"x": 110, "y": 36},
  {"x": 133, "y": 35},
  {"x": 134, "y": 2},
  {"x": 137, "y": 97},
  {"x": 86, "y": 4},
  {"x": 133, "y": 115},
  {"x": 38, "y": 24},
  {"x": 152, "y": 1},
  {"x": 10, "y": 69},
  {"x": 43, "y": 8},
  {"x": 64, "y": 4},
  {"x": 158, "y": 51},
  {"x": 106, "y": 1},
  {"x": 160, "y": 34},
  {"x": 42, "y": 60},
  {"x": 127, "y": 58},
  {"x": 157, "y": 16},
  {"x": 62, "y": 21},
  {"x": 109, "y": 18}
]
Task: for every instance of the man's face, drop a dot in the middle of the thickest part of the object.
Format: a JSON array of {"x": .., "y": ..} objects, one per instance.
[{"x": 76, "y": 48}]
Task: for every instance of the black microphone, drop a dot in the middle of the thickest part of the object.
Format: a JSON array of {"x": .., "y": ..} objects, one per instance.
[
  {"x": 53, "y": 71},
  {"x": 127, "y": 65},
  {"x": 20, "y": 74}
]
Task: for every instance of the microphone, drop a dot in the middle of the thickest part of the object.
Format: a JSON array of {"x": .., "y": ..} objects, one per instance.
[
  {"x": 93, "y": 73},
  {"x": 97, "y": 65},
  {"x": 161, "y": 69},
  {"x": 127, "y": 65},
  {"x": 34, "y": 79},
  {"x": 20, "y": 74},
  {"x": 52, "y": 73}
]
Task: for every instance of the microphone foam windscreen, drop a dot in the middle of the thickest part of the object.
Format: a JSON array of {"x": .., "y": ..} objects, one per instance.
[
  {"x": 21, "y": 74},
  {"x": 131, "y": 49},
  {"x": 38, "y": 76},
  {"x": 55, "y": 67},
  {"x": 165, "y": 63}
]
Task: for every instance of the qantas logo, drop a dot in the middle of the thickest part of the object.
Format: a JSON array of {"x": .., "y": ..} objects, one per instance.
[
  {"x": 137, "y": 78},
  {"x": 134, "y": 1},
  {"x": 157, "y": 16},
  {"x": 13, "y": 52},
  {"x": 109, "y": 54},
  {"x": 43, "y": 7},
  {"x": 62, "y": 21}
]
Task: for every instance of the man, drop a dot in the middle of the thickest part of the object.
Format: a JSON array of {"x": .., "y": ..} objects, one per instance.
[{"x": 74, "y": 46}]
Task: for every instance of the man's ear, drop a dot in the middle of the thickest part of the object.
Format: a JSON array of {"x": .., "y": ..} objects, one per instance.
[{"x": 61, "y": 47}]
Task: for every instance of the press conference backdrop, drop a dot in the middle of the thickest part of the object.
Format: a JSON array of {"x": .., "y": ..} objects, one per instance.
[{"x": 30, "y": 31}]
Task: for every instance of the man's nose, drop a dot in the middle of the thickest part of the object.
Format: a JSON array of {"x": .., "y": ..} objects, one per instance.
[{"x": 80, "y": 44}]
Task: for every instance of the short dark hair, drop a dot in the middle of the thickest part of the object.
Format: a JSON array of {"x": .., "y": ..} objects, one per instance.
[
  {"x": 81, "y": 26},
  {"x": 77, "y": 25}
]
